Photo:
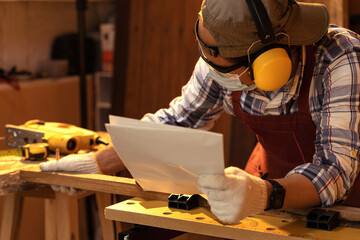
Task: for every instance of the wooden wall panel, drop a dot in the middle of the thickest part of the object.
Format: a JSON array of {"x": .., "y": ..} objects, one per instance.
[
  {"x": 160, "y": 56},
  {"x": 162, "y": 53}
]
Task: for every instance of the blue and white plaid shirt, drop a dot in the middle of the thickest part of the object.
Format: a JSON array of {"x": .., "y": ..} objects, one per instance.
[{"x": 334, "y": 101}]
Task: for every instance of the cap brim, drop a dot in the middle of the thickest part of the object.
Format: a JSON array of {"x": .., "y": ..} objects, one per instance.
[{"x": 310, "y": 24}]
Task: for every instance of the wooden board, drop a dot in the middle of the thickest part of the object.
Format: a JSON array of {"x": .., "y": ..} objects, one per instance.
[
  {"x": 129, "y": 187},
  {"x": 92, "y": 182},
  {"x": 202, "y": 221}
]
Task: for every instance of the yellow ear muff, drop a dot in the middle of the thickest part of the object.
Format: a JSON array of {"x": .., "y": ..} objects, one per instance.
[{"x": 272, "y": 69}]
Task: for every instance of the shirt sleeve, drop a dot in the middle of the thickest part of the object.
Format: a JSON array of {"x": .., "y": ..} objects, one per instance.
[
  {"x": 336, "y": 113},
  {"x": 199, "y": 105}
]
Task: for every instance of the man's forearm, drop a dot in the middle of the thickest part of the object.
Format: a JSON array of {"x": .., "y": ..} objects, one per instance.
[{"x": 300, "y": 192}]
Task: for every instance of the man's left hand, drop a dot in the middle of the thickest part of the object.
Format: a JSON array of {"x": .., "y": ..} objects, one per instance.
[
  {"x": 235, "y": 195},
  {"x": 80, "y": 163}
]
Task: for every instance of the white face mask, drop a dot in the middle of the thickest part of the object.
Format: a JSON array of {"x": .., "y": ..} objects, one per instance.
[{"x": 230, "y": 81}]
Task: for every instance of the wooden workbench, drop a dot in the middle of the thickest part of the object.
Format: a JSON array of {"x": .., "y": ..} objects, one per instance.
[
  {"x": 29, "y": 176},
  {"x": 128, "y": 187}
]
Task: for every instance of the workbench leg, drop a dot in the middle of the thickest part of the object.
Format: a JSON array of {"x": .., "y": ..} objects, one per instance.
[
  {"x": 66, "y": 221},
  {"x": 62, "y": 220},
  {"x": 50, "y": 219},
  {"x": 11, "y": 216},
  {"x": 107, "y": 228}
]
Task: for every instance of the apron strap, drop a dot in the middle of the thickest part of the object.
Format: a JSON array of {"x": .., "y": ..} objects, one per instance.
[{"x": 303, "y": 103}]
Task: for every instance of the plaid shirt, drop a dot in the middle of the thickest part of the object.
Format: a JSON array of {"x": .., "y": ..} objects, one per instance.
[{"x": 334, "y": 101}]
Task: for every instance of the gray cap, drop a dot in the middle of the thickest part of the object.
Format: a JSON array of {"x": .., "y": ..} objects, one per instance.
[{"x": 231, "y": 25}]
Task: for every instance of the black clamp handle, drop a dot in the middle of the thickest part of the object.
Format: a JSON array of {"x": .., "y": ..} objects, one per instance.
[
  {"x": 321, "y": 219},
  {"x": 183, "y": 201}
]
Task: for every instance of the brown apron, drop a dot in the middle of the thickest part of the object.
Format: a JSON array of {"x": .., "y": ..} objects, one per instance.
[{"x": 285, "y": 141}]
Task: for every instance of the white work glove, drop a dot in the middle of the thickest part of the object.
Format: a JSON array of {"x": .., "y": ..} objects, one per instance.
[
  {"x": 235, "y": 195},
  {"x": 80, "y": 163}
]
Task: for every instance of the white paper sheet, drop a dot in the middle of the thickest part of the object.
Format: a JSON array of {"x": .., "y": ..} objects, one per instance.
[{"x": 166, "y": 158}]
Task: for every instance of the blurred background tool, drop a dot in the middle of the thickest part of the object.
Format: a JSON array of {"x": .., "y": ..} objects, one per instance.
[
  {"x": 9, "y": 80},
  {"x": 66, "y": 137},
  {"x": 35, "y": 151}
]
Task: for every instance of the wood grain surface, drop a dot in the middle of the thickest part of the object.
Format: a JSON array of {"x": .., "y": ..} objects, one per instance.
[{"x": 10, "y": 181}]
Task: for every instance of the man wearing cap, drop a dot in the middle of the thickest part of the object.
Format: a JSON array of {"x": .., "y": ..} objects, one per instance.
[{"x": 294, "y": 81}]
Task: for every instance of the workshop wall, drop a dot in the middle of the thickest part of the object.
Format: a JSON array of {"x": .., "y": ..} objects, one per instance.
[
  {"x": 27, "y": 32},
  {"x": 27, "y": 29}
]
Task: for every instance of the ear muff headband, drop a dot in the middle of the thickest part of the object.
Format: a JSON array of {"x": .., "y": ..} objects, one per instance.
[
  {"x": 262, "y": 21},
  {"x": 271, "y": 67}
]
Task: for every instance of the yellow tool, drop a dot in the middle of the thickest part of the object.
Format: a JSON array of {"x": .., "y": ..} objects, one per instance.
[
  {"x": 66, "y": 137},
  {"x": 35, "y": 151}
]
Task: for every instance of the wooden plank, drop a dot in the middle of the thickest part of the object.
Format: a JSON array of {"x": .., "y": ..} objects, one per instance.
[
  {"x": 93, "y": 182},
  {"x": 202, "y": 221},
  {"x": 128, "y": 187}
]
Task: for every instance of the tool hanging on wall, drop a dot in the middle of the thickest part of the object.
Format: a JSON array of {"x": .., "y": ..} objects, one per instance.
[{"x": 66, "y": 137}]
